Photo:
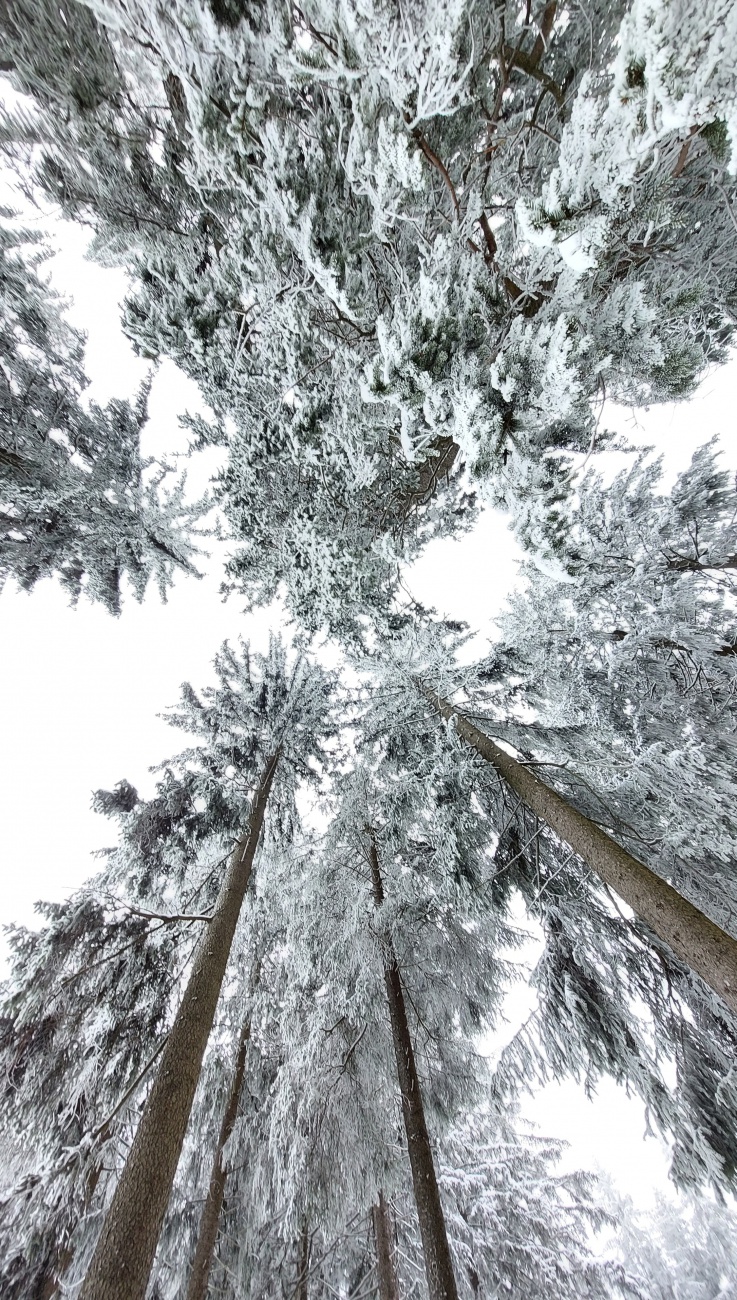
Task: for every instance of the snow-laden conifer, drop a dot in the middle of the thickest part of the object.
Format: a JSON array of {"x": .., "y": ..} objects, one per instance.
[
  {"x": 630, "y": 670},
  {"x": 370, "y": 276},
  {"x": 319, "y": 1129},
  {"x": 77, "y": 500},
  {"x": 683, "y": 1251},
  {"x": 612, "y": 999},
  {"x": 93, "y": 997}
]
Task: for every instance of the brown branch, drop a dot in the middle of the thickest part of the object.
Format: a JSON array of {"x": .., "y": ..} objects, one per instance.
[
  {"x": 683, "y": 154},
  {"x": 435, "y": 162},
  {"x": 491, "y": 245},
  {"x": 546, "y": 26}
]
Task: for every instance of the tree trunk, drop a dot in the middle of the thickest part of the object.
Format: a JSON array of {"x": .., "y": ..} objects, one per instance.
[
  {"x": 388, "y": 1289},
  {"x": 304, "y": 1263},
  {"x": 695, "y": 940},
  {"x": 438, "y": 1265},
  {"x": 209, "y": 1223},
  {"x": 124, "y": 1254}
]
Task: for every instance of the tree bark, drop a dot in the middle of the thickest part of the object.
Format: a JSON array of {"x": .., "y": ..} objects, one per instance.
[
  {"x": 210, "y": 1221},
  {"x": 122, "y": 1261},
  {"x": 692, "y": 937},
  {"x": 441, "y": 1283},
  {"x": 388, "y": 1289}
]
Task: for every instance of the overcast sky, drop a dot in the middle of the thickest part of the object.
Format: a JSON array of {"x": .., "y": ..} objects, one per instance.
[{"x": 80, "y": 691}]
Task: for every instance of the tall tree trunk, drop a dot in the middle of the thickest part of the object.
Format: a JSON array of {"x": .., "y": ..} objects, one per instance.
[
  {"x": 441, "y": 1283},
  {"x": 208, "y": 1234},
  {"x": 388, "y": 1289},
  {"x": 124, "y": 1254},
  {"x": 694, "y": 939}
]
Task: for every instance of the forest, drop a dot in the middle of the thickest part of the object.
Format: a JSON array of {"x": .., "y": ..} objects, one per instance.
[{"x": 411, "y": 254}]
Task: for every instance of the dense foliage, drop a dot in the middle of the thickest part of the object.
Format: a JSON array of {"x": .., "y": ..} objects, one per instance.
[{"x": 406, "y": 253}]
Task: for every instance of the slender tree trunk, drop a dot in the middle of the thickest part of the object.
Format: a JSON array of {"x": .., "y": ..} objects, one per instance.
[
  {"x": 695, "y": 940},
  {"x": 388, "y": 1289},
  {"x": 304, "y": 1263},
  {"x": 441, "y": 1283},
  {"x": 209, "y": 1223},
  {"x": 124, "y": 1254}
]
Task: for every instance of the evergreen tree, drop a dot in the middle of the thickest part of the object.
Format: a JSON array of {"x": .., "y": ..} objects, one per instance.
[
  {"x": 697, "y": 941},
  {"x": 283, "y": 711},
  {"x": 441, "y": 1283},
  {"x": 611, "y": 997},
  {"x": 321, "y": 1078},
  {"x": 171, "y": 854},
  {"x": 85, "y": 1016},
  {"x": 630, "y": 670},
  {"x": 210, "y": 1222},
  {"x": 678, "y": 1252},
  {"x": 385, "y": 1270},
  {"x": 387, "y": 270},
  {"x": 403, "y": 254},
  {"x": 77, "y": 501}
]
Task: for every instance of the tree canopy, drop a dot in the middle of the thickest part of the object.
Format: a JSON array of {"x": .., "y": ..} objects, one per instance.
[{"x": 407, "y": 253}]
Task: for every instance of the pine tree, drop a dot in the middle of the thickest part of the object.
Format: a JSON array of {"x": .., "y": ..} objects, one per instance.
[{"x": 78, "y": 501}]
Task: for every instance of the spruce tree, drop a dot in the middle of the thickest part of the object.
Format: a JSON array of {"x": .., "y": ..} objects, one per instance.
[
  {"x": 682, "y": 1251},
  {"x": 630, "y": 670},
  {"x": 441, "y": 1283},
  {"x": 320, "y": 1112}
]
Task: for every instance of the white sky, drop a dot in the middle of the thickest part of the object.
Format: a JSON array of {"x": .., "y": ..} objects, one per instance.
[{"x": 80, "y": 691}]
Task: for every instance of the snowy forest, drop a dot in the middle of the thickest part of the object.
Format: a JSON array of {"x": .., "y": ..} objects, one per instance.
[{"x": 411, "y": 254}]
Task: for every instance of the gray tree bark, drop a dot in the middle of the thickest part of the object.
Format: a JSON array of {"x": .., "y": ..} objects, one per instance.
[
  {"x": 441, "y": 1282},
  {"x": 388, "y": 1289},
  {"x": 692, "y": 937},
  {"x": 122, "y": 1261},
  {"x": 210, "y": 1221}
]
